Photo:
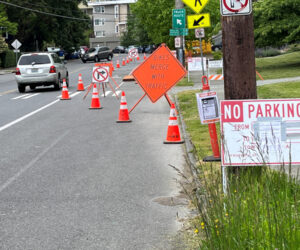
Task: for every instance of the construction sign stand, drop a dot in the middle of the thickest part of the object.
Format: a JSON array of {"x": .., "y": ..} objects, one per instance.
[
  {"x": 102, "y": 73},
  {"x": 158, "y": 74}
]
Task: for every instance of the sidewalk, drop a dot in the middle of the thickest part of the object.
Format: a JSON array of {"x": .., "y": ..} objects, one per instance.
[{"x": 7, "y": 70}]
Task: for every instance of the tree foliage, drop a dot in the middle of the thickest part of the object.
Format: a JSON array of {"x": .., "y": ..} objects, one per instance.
[
  {"x": 276, "y": 22},
  {"x": 35, "y": 30}
]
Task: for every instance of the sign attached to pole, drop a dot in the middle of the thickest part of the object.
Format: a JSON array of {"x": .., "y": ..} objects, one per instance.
[
  {"x": 133, "y": 53},
  {"x": 100, "y": 74},
  {"x": 159, "y": 73},
  {"x": 196, "y": 5},
  {"x": 16, "y": 44},
  {"x": 178, "y": 18},
  {"x": 258, "y": 132},
  {"x": 199, "y": 33},
  {"x": 195, "y": 63},
  {"x": 179, "y": 32},
  {"x": 177, "y": 42},
  {"x": 208, "y": 107},
  {"x": 198, "y": 21},
  {"x": 235, "y": 7}
]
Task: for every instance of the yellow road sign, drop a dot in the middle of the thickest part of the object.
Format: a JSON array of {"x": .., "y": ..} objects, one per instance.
[
  {"x": 196, "y": 5},
  {"x": 198, "y": 21}
]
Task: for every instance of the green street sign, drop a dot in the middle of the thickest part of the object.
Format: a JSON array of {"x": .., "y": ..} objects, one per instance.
[
  {"x": 179, "y": 32},
  {"x": 178, "y": 18}
]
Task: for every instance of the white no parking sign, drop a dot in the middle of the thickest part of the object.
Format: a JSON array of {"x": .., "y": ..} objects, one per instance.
[
  {"x": 100, "y": 74},
  {"x": 235, "y": 7}
]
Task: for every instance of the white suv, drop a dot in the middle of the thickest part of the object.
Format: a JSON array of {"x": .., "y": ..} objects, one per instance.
[{"x": 40, "y": 69}]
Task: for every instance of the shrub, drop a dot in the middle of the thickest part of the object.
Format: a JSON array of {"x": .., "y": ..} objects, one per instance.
[
  {"x": 8, "y": 59},
  {"x": 267, "y": 52},
  {"x": 294, "y": 48},
  {"x": 217, "y": 55}
]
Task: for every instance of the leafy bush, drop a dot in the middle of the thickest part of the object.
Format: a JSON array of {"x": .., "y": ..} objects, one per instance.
[
  {"x": 8, "y": 59},
  {"x": 217, "y": 55},
  {"x": 267, "y": 52},
  {"x": 294, "y": 48}
]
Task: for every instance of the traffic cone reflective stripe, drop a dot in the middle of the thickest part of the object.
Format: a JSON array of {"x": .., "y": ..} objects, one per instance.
[
  {"x": 95, "y": 99},
  {"x": 80, "y": 86},
  {"x": 118, "y": 64},
  {"x": 65, "y": 92},
  {"x": 123, "y": 62},
  {"x": 145, "y": 56},
  {"x": 173, "y": 134},
  {"x": 123, "y": 114}
]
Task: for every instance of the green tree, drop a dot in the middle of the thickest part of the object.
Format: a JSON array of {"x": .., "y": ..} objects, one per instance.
[
  {"x": 276, "y": 22},
  {"x": 6, "y": 25},
  {"x": 37, "y": 27}
]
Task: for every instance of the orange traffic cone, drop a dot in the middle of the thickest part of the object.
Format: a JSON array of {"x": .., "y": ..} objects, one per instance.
[
  {"x": 80, "y": 86},
  {"x": 123, "y": 114},
  {"x": 130, "y": 59},
  {"x": 138, "y": 57},
  {"x": 145, "y": 56},
  {"x": 65, "y": 92},
  {"x": 95, "y": 99},
  {"x": 123, "y": 62},
  {"x": 127, "y": 60},
  {"x": 112, "y": 67},
  {"x": 173, "y": 135},
  {"x": 118, "y": 64}
]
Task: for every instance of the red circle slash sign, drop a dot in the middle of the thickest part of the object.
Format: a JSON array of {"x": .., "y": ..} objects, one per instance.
[
  {"x": 100, "y": 74},
  {"x": 235, "y": 5}
]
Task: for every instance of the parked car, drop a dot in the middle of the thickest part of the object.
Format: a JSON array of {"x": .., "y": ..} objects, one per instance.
[
  {"x": 98, "y": 53},
  {"x": 216, "y": 47},
  {"x": 150, "y": 48},
  {"x": 40, "y": 69},
  {"x": 119, "y": 49}
]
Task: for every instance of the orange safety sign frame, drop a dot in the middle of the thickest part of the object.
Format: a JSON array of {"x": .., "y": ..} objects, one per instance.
[{"x": 159, "y": 73}]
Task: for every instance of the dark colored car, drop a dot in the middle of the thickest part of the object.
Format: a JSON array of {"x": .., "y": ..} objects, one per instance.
[
  {"x": 119, "y": 49},
  {"x": 150, "y": 48},
  {"x": 216, "y": 47},
  {"x": 98, "y": 53}
]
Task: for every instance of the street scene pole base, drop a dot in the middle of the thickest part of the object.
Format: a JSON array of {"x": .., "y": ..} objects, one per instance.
[{"x": 211, "y": 158}]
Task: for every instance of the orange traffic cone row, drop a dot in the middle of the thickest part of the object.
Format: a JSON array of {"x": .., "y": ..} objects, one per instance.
[
  {"x": 118, "y": 64},
  {"x": 123, "y": 114},
  {"x": 95, "y": 99},
  {"x": 173, "y": 135},
  {"x": 65, "y": 92},
  {"x": 145, "y": 56},
  {"x": 80, "y": 86},
  {"x": 123, "y": 62}
]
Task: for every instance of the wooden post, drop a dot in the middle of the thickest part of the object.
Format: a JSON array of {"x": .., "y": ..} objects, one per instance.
[{"x": 239, "y": 57}]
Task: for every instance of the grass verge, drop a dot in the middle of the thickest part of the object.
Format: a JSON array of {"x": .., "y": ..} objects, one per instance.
[
  {"x": 283, "y": 66},
  {"x": 184, "y": 82},
  {"x": 262, "y": 208}
]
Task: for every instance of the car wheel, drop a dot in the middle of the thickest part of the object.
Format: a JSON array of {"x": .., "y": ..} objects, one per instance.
[
  {"x": 21, "y": 88},
  {"x": 32, "y": 87},
  {"x": 109, "y": 57},
  {"x": 96, "y": 59},
  {"x": 57, "y": 85},
  {"x": 84, "y": 61}
]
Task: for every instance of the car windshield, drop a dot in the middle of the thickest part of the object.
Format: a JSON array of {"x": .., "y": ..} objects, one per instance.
[
  {"x": 37, "y": 59},
  {"x": 91, "y": 50}
]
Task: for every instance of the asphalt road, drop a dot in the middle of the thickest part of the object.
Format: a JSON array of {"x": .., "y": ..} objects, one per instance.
[{"x": 73, "y": 178}]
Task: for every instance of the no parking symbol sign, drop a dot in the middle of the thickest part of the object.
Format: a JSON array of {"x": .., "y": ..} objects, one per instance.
[
  {"x": 235, "y": 7},
  {"x": 100, "y": 74}
]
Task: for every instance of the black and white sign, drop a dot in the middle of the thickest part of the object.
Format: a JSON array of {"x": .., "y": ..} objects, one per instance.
[
  {"x": 100, "y": 74},
  {"x": 177, "y": 42},
  {"x": 235, "y": 7},
  {"x": 133, "y": 53},
  {"x": 208, "y": 107}
]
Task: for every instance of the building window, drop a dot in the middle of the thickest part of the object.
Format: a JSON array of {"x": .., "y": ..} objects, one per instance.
[
  {"x": 99, "y": 9},
  {"x": 117, "y": 28},
  {"x": 100, "y": 33},
  {"x": 99, "y": 22},
  {"x": 116, "y": 11}
]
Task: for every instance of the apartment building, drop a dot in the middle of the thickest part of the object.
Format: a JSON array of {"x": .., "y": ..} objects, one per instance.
[{"x": 109, "y": 19}]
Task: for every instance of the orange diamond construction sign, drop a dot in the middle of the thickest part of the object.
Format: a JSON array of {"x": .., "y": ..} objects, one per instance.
[{"x": 159, "y": 73}]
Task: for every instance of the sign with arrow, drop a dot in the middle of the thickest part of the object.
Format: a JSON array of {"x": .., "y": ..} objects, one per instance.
[
  {"x": 178, "y": 18},
  {"x": 198, "y": 21},
  {"x": 196, "y": 5},
  {"x": 100, "y": 74}
]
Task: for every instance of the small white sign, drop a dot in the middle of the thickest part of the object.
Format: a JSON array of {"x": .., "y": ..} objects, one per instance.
[
  {"x": 16, "y": 50},
  {"x": 199, "y": 33},
  {"x": 258, "y": 132},
  {"x": 100, "y": 74},
  {"x": 208, "y": 107},
  {"x": 235, "y": 7},
  {"x": 133, "y": 53},
  {"x": 195, "y": 63},
  {"x": 177, "y": 42},
  {"x": 215, "y": 64},
  {"x": 16, "y": 44}
]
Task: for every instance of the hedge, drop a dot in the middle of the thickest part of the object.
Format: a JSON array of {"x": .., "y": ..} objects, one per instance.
[{"x": 8, "y": 59}]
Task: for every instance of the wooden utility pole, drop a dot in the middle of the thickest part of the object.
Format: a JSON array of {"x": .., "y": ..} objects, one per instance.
[{"x": 239, "y": 57}]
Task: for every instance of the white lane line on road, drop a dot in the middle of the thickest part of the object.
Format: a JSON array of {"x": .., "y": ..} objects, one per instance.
[
  {"x": 26, "y": 116},
  {"x": 106, "y": 93},
  {"x": 31, "y": 163},
  {"x": 27, "y": 97},
  {"x": 19, "y": 97},
  {"x": 117, "y": 93},
  {"x": 120, "y": 85},
  {"x": 75, "y": 94}
]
